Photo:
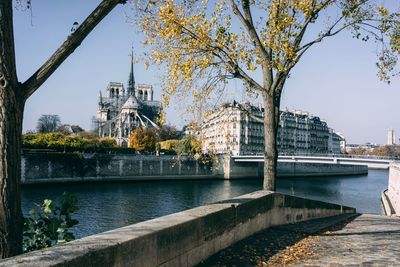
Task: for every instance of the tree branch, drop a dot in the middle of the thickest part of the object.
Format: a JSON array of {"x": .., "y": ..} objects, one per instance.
[
  {"x": 69, "y": 46},
  {"x": 248, "y": 24},
  {"x": 8, "y": 73}
]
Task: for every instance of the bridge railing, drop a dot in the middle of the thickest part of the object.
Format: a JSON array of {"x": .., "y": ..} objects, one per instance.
[{"x": 328, "y": 155}]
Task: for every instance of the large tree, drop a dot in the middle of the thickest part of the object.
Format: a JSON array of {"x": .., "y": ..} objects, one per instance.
[
  {"x": 201, "y": 44},
  {"x": 13, "y": 95},
  {"x": 144, "y": 139},
  {"x": 48, "y": 123}
]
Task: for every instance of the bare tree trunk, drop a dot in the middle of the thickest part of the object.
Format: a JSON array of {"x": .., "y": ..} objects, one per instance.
[
  {"x": 11, "y": 220},
  {"x": 271, "y": 120},
  {"x": 12, "y": 100},
  {"x": 11, "y": 112}
]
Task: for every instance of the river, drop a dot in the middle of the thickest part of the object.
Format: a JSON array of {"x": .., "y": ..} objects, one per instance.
[{"x": 105, "y": 206}]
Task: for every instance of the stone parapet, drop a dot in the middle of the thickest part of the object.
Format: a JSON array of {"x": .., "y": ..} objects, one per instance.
[
  {"x": 185, "y": 238},
  {"x": 391, "y": 196}
]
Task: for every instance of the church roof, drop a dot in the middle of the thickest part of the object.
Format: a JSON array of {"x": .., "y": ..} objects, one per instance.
[{"x": 131, "y": 102}]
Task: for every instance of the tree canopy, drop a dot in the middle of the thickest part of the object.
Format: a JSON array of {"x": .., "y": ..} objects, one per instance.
[
  {"x": 143, "y": 139},
  {"x": 202, "y": 44},
  {"x": 202, "y": 40},
  {"x": 48, "y": 124}
]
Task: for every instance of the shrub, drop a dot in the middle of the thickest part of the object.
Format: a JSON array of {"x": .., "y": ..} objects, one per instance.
[{"x": 49, "y": 224}]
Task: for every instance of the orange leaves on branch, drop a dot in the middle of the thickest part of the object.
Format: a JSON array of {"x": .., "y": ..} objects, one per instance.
[{"x": 143, "y": 140}]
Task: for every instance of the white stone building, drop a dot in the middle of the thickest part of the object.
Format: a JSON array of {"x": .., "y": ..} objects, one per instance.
[
  {"x": 391, "y": 138},
  {"x": 121, "y": 111},
  {"x": 238, "y": 129}
]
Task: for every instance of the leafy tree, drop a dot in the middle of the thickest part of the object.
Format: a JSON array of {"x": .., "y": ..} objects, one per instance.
[
  {"x": 48, "y": 124},
  {"x": 167, "y": 132},
  {"x": 171, "y": 144},
  {"x": 360, "y": 151},
  {"x": 202, "y": 44},
  {"x": 387, "y": 151},
  {"x": 143, "y": 140},
  {"x": 188, "y": 146},
  {"x": 13, "y": 95},
  {"x": 70, "y": 129},
  {"x": 88, "y": 134},
  {"x": 68, "y": 143}
]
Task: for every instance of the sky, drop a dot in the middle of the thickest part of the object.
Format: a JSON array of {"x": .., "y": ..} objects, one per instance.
[{"x": 336, "y": 81}]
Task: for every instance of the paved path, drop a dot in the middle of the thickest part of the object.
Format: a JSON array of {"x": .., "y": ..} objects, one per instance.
[{"x": 366, "y": 240}]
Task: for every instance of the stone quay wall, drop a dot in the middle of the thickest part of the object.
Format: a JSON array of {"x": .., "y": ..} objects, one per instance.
[
  {"x": 230, "y": 169},
  {"x": 67, "y": 167},
  {"x": 185, "y": 238},
  {"x": 391, "y": 197}
]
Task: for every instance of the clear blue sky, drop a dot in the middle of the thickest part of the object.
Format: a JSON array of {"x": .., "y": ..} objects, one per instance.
[{"x": 336, "y": 80}]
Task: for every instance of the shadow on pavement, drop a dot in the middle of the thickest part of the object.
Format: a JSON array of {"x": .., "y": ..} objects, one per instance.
[{"x": 260, "y": 247}]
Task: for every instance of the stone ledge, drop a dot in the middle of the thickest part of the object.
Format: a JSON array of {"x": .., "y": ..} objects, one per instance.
[{"x": 185, "y": 238}]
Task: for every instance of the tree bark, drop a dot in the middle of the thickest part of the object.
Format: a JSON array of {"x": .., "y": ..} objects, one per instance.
[
  {"x": 12, "y": 101},
  {"x": 11, "y": 220},
  {"x": 271, "y": 120},
  {"x": 11, "y": 112}
]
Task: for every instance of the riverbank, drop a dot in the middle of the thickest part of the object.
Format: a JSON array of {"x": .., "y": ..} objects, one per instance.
[
  {"x": 185, "y": 238},
  {"x": 391, "y": 196},
  {"x": 40, "y": 168}
]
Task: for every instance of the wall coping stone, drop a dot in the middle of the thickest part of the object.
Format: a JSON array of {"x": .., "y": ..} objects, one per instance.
[{"x": 184, "y": 238}]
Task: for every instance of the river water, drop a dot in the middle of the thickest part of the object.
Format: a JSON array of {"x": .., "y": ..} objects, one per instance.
[{"x": 105, "y": 206}]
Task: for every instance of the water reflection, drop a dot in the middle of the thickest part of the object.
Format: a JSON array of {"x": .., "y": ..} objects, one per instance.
[{"x": 104, "y": 206}]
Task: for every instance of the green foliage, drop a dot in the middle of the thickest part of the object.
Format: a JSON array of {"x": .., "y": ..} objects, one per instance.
[
  {"x": 189, "y": 146},
  {"x": 167, "y": 132},
  {"x": 67, "y": 143},
  {"x": 49, "y": 224},
  {"x": 185, "y": 147},
  {"x": 171, "y": 144}
]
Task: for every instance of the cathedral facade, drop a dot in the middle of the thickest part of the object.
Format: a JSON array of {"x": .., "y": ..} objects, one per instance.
[{"x": 122, "y": 110}]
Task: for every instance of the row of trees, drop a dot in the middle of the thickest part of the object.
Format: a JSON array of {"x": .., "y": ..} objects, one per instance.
[
  {"x": 151, "y": 141},
  {"x": 68, "y": 143},
  {"x": 166, "y": 140},
  {"x": 381, "y": 151},
  {"x": 52, "y": 123}
]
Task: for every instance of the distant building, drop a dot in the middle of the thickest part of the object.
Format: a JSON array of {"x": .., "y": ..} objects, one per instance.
[
  {"x": 121, "y": 112},
  {"x": 391, "y": 138},
  {"x": 369, "y": 147},
  {"x": 239, "y": 129},
  {"x": 342, "y": 142}
]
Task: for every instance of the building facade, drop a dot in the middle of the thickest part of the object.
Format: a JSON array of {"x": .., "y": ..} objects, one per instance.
[
  {"x": 230, "y": 129},
  {"x": 391, "y": 138},
  {"x": 239, "y": 129},
  {"x": 121, "y": 111}
]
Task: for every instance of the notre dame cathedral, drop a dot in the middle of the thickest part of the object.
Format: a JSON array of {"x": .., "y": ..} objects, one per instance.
[{"x": 121, "y": 111}]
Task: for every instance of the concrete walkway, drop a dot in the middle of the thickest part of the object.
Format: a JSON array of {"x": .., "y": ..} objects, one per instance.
[{"x": 361, "y": 240}]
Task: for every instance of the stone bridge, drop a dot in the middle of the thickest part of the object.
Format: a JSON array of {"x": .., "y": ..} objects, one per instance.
[{"x": 370, "y": 161}]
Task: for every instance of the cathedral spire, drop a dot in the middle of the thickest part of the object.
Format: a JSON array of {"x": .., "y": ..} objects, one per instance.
[
  {"x": 131, "y": 81},
  {"x": 100, "y": 98}
]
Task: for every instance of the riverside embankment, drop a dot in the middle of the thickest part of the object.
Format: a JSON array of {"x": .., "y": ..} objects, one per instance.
[
  {"x": 63, "y": 167},
  {"x": 185, "y": 238},
  {"x": 391, "y": 196}
]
